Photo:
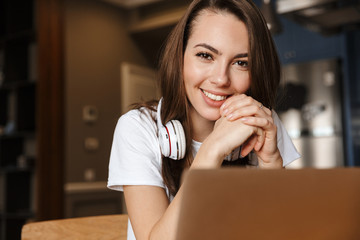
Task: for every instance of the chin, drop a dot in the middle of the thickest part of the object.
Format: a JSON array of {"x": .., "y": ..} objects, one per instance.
[{"x": 211, "y": 116}]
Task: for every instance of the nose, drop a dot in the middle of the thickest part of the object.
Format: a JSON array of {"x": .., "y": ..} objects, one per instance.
[{"x": 220, "y": 76}]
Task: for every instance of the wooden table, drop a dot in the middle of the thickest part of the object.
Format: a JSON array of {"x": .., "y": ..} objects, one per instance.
[{"x": 95, "y": 227}]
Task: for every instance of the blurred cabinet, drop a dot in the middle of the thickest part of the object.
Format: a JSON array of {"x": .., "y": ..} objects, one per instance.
[
  {"x": 297, "y": 44},
  {"x": 353, "y": 71},
  {"x": 18, "y": 75},
  {"x": 353, "y": 54}
]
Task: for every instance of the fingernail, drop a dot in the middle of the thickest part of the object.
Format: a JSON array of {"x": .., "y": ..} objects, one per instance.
[
  {"x": 230, "y": 117},
  {"x": 222, "y": 107},
  {"x": 244, "y": 119},
  {"x": 225, "y": 111}
]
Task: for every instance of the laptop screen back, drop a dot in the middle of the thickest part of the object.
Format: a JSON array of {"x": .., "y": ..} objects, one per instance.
[{"x": 235, "y": 203}]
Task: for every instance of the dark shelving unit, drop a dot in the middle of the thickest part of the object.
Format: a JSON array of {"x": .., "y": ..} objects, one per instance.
[{"x": 18, "y": 86}]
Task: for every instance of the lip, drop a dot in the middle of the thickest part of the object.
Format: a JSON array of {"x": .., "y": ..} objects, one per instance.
[{"x": 213, "y": 103}]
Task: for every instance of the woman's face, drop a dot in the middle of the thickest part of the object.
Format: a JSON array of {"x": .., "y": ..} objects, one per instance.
[{"x": 215, "y": 63}]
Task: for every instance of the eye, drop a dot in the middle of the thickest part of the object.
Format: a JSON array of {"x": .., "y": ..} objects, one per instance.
[
  {"x": 242, "y": 64},
  {"x": 204, "y": 55}
]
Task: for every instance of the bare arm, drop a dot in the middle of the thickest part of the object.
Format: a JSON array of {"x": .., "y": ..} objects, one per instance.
[
  {"x": 146, "y": 205},
  {"x": 150, "y": 213}
]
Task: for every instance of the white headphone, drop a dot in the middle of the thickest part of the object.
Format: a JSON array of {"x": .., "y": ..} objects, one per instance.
[{"x": 171, "y": 137}]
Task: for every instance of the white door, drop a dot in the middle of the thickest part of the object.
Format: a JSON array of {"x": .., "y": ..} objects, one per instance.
[{"x": 138, "y": 83}]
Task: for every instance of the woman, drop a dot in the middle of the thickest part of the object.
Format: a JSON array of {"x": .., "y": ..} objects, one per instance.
[{"x": 219, "y": 73}]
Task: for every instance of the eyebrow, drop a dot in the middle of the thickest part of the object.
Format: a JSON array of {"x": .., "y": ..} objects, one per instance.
[
  {"x": 208, "y": 47},
  {"x": 240, "y": 55}
]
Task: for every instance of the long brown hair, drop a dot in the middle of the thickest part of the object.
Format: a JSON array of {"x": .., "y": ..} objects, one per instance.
[{"x": 264, "y": 69}]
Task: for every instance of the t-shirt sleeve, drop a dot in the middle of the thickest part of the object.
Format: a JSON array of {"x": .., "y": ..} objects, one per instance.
[
  {"x": 135, "y": 157},
  {"x": 286, "y": 147}
]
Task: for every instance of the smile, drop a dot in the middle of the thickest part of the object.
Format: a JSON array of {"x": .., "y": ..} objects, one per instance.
[{"x": 213, "y": 96}]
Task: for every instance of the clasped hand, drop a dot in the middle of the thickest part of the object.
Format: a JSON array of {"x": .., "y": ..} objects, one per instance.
[{"x": 246, "y": 121}]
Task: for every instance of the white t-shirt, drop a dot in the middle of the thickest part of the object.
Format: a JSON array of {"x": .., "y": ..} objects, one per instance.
[{"x": 136, "y": 156}]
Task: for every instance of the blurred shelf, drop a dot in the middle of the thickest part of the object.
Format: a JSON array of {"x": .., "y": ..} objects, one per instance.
[
  {"x": 17, "y": 84},
  {"x": 28, "y": 34}
]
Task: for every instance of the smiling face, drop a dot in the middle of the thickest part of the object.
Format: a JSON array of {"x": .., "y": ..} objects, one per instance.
[{"x": 215, "y": 63}]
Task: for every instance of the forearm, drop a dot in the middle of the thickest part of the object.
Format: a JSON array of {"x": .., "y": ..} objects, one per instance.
[
  {"x": 166, "y": 227},
  {"x": 206, "y": 158}
]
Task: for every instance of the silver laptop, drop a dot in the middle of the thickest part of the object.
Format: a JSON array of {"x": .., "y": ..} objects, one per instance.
[{"x": 235, "y": 203}]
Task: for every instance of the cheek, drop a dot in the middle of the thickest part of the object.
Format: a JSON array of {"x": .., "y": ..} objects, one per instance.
[
  {"x": 242, "y": 83},
  {"x": 187, "y": 77},
  {"x": 192, "y": 73},
  {"x": 186, "y": 69}
]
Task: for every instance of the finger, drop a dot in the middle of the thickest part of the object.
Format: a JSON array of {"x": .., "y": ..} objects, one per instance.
[
  {"x": 260, "y": 142},
  {"x": 250, "y": 110},
  {"x": 263, "y": 108},
  {"x": 242, "y": 105},
  {"x": 269, "y": 131},
  {"x": 264, "y": 123},
  {"x": 237, "y": 101},
  {"x": 232, "y": 103},
  {"x": 256, "y": 141},
  {"x": 248, "y": 146}
]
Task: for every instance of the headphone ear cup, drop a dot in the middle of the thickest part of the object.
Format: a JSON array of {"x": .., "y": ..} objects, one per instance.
[
  {"x": 181, "y": 140},
  {"x": 171, "y": 137},
  {"x": 176, "y": 141},
  {"x": 164, "y": 141}
]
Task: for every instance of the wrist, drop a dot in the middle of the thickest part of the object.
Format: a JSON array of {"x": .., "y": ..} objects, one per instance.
[
  {"x": 208, "y": 156},
  {"x": 273, "y": 162}
]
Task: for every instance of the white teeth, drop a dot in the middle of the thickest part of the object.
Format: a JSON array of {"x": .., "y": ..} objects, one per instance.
[{"x": 213, "y": 96}]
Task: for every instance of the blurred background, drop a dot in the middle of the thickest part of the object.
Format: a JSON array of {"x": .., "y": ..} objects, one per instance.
[{"x": 70, "y": 68}]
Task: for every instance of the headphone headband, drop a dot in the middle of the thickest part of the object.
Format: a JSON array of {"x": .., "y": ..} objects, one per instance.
[{"x": 158, "y": 114}]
